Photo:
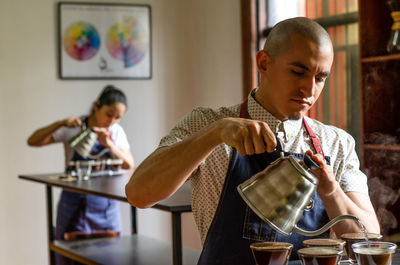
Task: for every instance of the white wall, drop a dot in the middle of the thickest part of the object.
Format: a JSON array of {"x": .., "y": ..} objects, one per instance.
[
  {"x": 196, "y": 61},
  {"x": 3, "y": 213}
]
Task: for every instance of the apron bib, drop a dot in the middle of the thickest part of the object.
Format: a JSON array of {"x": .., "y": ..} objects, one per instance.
[{"x": 235, "y": 226}]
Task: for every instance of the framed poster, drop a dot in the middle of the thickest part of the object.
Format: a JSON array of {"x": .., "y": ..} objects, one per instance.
[{"x": 104, "y": 41}]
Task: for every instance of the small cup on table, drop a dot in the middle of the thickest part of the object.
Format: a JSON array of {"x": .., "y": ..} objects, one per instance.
[
  {"x": 319, "y": 256},
  {"x": 83, "y": 169},
  {"x": 271, "y": 253},
  {"x": 374, "y": 253},
  {"x": 325, "y": 242},
  {"x": 352, "y": 238}
]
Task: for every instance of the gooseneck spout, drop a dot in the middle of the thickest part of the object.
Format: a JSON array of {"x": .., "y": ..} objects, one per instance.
[
  {"x": 327, "y": 225},
  {"x": 84, "y": 142}
]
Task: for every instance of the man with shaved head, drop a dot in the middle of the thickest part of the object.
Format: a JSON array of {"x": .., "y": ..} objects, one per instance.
[{"x": 218, "y": 149}]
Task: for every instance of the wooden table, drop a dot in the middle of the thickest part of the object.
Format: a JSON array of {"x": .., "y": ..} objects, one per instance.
[{"x": 133, "y": 249}]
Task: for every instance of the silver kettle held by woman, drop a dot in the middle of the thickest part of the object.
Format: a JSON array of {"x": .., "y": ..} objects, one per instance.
[
  {"x": 84, "y": 142},
  {"x": 280, "y": 193}
]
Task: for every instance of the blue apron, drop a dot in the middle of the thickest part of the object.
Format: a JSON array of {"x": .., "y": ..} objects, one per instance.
[
  {"x": 235, "y": 226},
  {"x": 83, "y": 212}
]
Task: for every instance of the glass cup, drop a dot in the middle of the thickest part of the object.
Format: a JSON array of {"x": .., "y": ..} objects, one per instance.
[
  {"x": 325, "y": 242},
  {"x": 83, "y": 169},
  {"x": 271, "y": 253},
  {"x": 351, "y": 238},
  {"x": 374, "y": 253},
  {"x": 319, "y": 256}
]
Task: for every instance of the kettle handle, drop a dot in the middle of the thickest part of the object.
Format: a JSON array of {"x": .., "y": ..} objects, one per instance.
[
  {"x": 310, "y": 163},
  {"x": 279, "y": 148},
  {"x": 326, "y": 226}
]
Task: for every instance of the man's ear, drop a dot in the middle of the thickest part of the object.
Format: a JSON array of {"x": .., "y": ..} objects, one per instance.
[{"x": 262, "y": 58}]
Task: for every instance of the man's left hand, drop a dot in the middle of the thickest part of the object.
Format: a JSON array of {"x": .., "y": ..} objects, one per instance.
[{"x": 327, "y": 185}]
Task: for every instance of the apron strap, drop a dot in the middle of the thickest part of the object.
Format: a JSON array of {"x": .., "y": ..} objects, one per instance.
[
  {"x": 314, "y": 140},
  {"x": 243, "y": 110}
]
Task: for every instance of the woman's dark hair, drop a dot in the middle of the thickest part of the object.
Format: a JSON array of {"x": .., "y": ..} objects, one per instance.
[{"x": 111, "y": 95}]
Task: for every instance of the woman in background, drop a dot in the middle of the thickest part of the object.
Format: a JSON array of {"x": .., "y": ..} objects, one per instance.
[{"x": 81, "y": 212}]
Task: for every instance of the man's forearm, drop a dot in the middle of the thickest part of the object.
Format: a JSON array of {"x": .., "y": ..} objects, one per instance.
[{"x": 165, "y": 170}]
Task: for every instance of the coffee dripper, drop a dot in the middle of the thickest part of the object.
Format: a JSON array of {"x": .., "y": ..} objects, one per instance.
[
  {"x": 84, "y": 142},
  {"x": 280, "y": 193}
]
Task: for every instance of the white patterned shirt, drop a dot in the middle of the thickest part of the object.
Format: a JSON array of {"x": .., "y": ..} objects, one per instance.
[{"x": 208, "y": 179}]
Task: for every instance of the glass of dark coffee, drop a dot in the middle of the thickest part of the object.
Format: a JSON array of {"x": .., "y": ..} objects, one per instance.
[
  {"x": 352, "y": 238},
  {"x": 271, "y": 253},
  {"x": 374, "y": 253},
  {"x": 324, "y": 242},
  {"x": 319, "y": 256}
]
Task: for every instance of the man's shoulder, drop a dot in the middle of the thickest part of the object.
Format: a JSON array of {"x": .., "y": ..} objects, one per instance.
[
  {"x": 208, "y": 113},
  {"x": 227, "y": 111},
  {"x": 197, "y": 119}
]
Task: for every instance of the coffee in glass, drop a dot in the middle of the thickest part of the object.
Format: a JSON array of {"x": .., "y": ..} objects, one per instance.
[
  {"x": 319, "y": 256},
  {"x": 374, "y": 253},
  {"x": 324, "y": 242},
  {"x": 352, "y": 238},
  {"x": 271, "y": 253}
]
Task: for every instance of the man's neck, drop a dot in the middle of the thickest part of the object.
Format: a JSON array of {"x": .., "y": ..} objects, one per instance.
[{"x": 259, "y": 97}]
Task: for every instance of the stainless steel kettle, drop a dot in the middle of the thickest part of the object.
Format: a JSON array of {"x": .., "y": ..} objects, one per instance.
[
  {"x": 84, "y": 142},
  {"x": 280, "y": 193}
]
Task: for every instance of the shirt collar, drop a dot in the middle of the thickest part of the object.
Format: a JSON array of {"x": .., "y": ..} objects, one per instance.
[{"x": 257, "y": 112}]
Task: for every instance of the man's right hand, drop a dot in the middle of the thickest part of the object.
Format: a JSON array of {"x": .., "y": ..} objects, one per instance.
[{"x": 248, "y": 137}]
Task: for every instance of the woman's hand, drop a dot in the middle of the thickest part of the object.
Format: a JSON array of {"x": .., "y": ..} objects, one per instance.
[
  {"x": 72, "y": 122},
  {"x": 103, "y": 136}
]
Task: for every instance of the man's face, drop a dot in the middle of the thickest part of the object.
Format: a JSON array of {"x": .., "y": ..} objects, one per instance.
[{"x": 294, "y": 79}]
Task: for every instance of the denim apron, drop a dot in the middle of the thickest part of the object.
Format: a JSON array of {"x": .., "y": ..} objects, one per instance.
[
  {"x": 83, "y": 212},
  {"x": 235, "y": 226}
]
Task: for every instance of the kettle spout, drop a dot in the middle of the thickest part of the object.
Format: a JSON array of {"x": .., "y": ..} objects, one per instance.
[
  {"x": 105, "y": 150},
  {"x": 327, "y": 225}
]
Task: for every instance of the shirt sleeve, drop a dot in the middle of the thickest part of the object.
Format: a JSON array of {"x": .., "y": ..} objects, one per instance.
[
  {"x": 64, "y": 134},
  {"x": 119, "y": 137},
  {"x": 60, "y": 135},
  {"x": 351, "y": 177},
  {"x": 191, "y": 123}
]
